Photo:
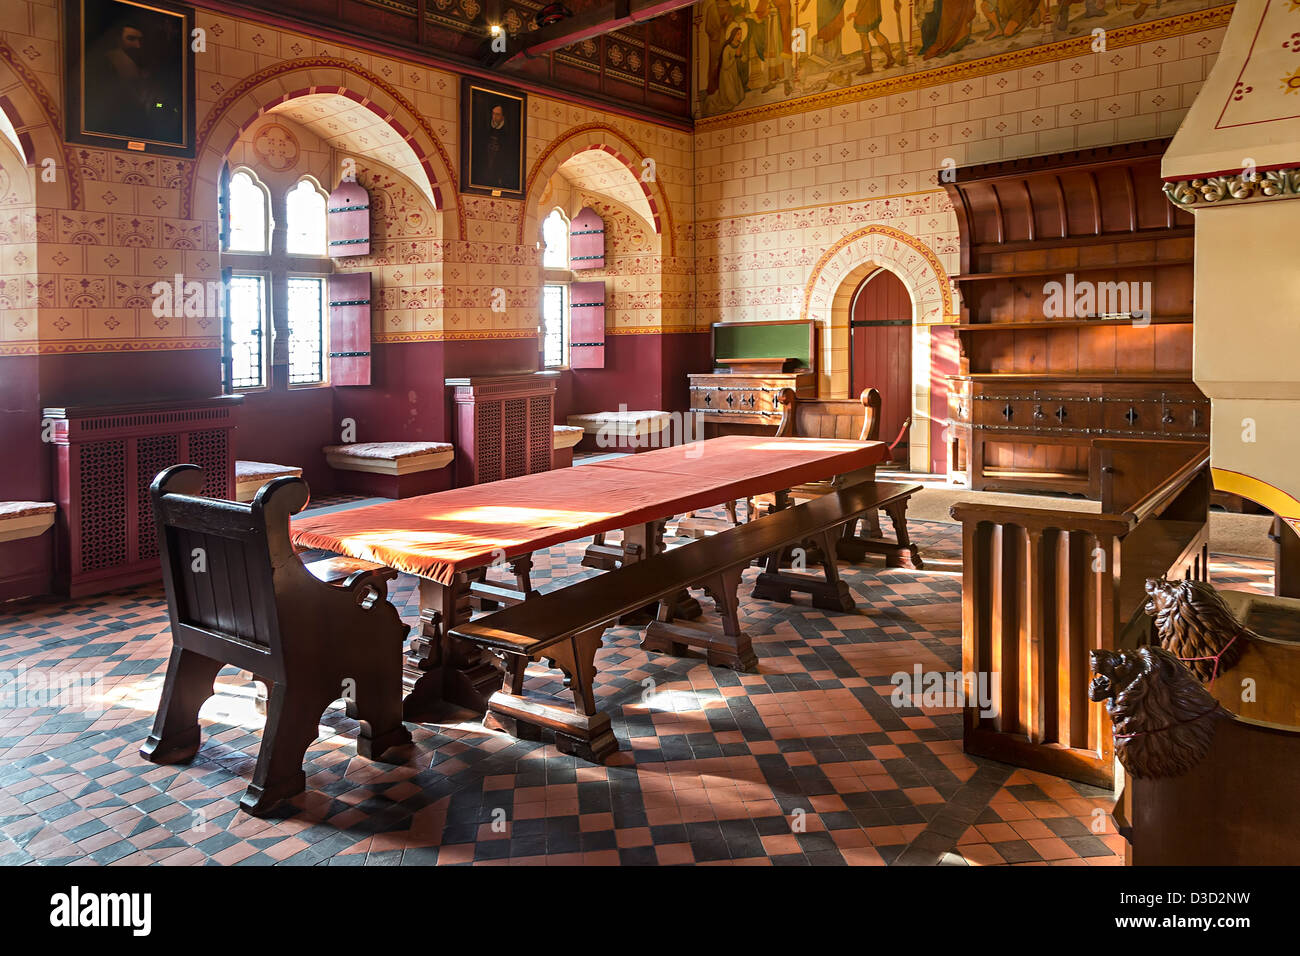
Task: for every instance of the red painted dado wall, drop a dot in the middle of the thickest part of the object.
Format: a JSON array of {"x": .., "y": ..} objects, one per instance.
[
  {"x": 645, "y": 371},
  {"x": 27, "y": 565}
]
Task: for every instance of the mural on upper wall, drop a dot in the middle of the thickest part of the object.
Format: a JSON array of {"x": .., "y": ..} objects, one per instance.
[{"x": 755, "y": 52}]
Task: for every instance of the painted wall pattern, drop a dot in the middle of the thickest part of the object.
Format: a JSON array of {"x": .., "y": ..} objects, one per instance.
[
  {"x": 783, "y": 188},
  {"x": 122, "y": 221}
]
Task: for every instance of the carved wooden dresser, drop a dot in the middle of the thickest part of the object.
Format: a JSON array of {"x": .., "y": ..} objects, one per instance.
[{"x": 1076, "y": 325}]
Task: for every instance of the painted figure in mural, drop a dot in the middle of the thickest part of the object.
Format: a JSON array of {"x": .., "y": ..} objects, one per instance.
[
  {"x": 717, "y": 16},
  {"x": 947, "y": 27},
  {"x": 866, "y": 19},
  {"x": 830, "y": 24},
  {"x": 1007, "y": 17},
  {"x": 777, "y": 35},
  {"x": 728, "y": 86}
]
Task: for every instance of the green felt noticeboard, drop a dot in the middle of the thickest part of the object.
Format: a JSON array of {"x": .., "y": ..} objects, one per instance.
[{"x": 774, "y": 340}]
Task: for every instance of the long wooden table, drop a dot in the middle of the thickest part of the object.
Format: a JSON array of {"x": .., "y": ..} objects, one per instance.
[{"x": 449, "y": 538}]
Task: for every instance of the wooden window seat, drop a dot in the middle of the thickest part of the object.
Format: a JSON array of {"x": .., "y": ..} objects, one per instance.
[
  {"x": 252, "y": 475},
  {"x": 565, "y": 437},
  {"x": 391, "y": 469},
  {"x": 622, "y": 430},
  {"x": 25, "y": 519}
]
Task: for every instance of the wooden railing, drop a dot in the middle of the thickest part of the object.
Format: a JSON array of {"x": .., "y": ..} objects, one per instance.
[{"x": 1041, "y": 588}]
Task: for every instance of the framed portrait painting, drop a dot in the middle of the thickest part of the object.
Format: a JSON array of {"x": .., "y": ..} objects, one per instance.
[
  {"x": 493, "y": 126},
  {"x": 130, "y": 75}
]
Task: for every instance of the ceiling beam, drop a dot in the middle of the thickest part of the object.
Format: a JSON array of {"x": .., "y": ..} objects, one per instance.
[{"x": 604, "y": 19}]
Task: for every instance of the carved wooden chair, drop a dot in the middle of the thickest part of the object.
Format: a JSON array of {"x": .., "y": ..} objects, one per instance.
[
  {"x": 238, "y": 594},
  {"x": 856, "y": 420}
]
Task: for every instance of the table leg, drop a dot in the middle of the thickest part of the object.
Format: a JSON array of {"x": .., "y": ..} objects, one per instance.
[
  {"x": 488, "y": 594},
  {"x": 442, "y": 669},
  {"x": 647, "y": 540}
]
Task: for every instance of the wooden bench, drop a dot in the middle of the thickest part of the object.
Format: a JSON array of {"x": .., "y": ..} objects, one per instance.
[
  {"x": 857, "y": 419},
  {"x": 623, "y": 430},
  {"x": 238, "y": 594},
  {"x": 563, "y": 440},
  {"x": 252, "y": 475},
  {"x": 565, "y": 627},
  {"x": 391, "y": 469},
  {"x": 25, "y": 519}
]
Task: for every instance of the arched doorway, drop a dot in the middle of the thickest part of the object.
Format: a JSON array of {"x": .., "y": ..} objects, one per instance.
[{"x": 880, "y": 349}]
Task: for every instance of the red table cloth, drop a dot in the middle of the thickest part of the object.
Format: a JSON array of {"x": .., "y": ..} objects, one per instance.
[{"x": 435, "y": 536}]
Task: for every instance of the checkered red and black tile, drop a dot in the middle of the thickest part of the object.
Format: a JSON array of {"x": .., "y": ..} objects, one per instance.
[{"x": 808, "y": 761}]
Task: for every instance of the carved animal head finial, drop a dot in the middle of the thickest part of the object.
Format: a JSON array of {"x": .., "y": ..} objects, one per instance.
[
  {"x": 1163, "y": 719},
  {"x": 1193, "y": 623}
]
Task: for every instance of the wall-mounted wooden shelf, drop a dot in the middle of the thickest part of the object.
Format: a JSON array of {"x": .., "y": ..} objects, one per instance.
[
  {"x": 1041, "y": 273},
  {"x": 1069, "y": 324}
]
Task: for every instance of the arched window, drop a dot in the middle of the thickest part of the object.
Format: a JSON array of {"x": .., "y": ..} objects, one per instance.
[
  {"x": 305, "y": 219},
  {"x": 555, "y": 239},
  {"x": 249, "y": 211}
]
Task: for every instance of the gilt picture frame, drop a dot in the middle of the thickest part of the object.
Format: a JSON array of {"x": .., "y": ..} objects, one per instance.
[
  {"x": 130, "y": 75},
  {"x": 493, "y": 131}
]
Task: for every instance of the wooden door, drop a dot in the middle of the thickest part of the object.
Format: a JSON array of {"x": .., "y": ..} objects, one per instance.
[{"x": 881, "y": 350}]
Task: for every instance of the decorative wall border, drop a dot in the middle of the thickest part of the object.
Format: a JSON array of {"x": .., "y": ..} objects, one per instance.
[
  {"x": 984, "y": 66},
  {"x": 53, "y": 119},
  {"x": 115, "y": 345},
  {"x": 657, "y": 198},
  {"x": 226, "y": 104}
]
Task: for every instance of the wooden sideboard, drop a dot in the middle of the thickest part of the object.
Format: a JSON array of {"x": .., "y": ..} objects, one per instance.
[
  {"x": 736, "y": 403},
  {"x": 1076, "y": 284},
  {"x": 105, "y": 458},
  {"x": 1016, "y": 431},
  {"x": 502, "y": 425}
]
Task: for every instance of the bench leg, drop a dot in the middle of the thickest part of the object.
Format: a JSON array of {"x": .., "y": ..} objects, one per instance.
[
  {"x": 899, "y": 553},
  {"x": 829, "y": 593},
  {"x": 727, "y": 647},
  {"x": 583, "y": 731},
  {"x": 292, "y": 724},
  {"x": 378, "y": 705},
  {"x": 189, "y": 682}
]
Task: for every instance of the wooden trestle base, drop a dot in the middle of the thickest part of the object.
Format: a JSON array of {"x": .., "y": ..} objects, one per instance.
[
  {"x": 565, "y": 628},
  {"x": 440, "y": 669},
  {"x": 727, "y": 647},
  {"x": 584, "y": 731}
]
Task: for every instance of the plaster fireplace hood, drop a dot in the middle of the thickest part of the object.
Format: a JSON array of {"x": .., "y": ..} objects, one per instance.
[{"x": 1235, "y": 163}]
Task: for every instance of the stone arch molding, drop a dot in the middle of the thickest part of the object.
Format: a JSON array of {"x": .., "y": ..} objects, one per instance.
[
  {"x": 606, "y": 138},
  {"x": 38, "y": 125},
  {"x": 260, "y": 93},
  {"x": 876, "y": 246}
]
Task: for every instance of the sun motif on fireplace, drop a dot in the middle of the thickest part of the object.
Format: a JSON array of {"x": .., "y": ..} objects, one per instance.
[{"x": 1291, "y": 84}]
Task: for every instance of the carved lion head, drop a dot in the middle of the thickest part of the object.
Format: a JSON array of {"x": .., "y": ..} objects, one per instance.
[
  {"x": 1191, "y": 621},
  {"x": 1163, "y": 719}
]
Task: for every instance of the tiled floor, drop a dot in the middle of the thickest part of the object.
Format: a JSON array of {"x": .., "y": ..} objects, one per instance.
[{"x": 805, "y": 762}]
